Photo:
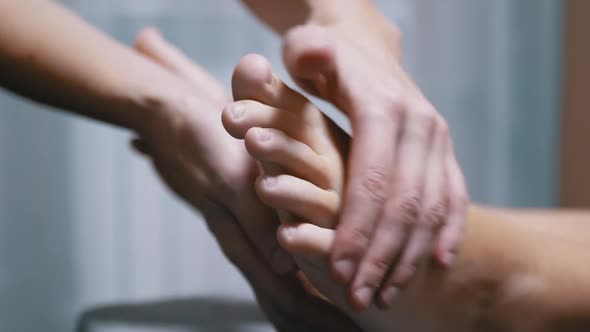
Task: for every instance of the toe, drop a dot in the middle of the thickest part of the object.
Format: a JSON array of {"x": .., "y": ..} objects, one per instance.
[
  {"x": 269, "y": 145},
  {"x": 306, "y": 239},
  {"x": 253, "y": 79},
  {"x": 241, "y": 116},
  {"x": 299, "y": 198}
]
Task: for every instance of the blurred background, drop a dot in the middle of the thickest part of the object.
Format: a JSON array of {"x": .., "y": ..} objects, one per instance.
[{"x": 84, "y": 221}]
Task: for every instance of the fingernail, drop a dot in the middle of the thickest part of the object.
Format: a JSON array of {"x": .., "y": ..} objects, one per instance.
[
  {"x": 288, "y": 232},
  {"x": 269, "y": 181},
  {"x": 263, "y": 135},
  {"x": 388, "y": 295},
  {"x": 283, "y": 262},
  {"x": 238, "y": 110},
  {"x": 344, "y": 269},
  {"x": 364, "y": 296}
]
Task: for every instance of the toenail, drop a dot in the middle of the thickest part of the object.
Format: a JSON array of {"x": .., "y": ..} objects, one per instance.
[
  {"x": 270, "y": 181},
  {"x": 238, "y": 110},
  {"x": 288, "y": 233},
  {"x": 263, "y": 135}
]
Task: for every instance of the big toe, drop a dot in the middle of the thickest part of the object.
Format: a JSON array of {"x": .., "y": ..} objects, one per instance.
[{"x": 253, "y": 79}]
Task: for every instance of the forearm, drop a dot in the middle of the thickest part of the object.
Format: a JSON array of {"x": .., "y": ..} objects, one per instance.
[
  {"x": 283, "y": 15},
  {"x": 50, "y": 55}
]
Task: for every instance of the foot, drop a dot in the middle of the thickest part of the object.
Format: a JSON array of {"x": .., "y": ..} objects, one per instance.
[
  {"x": 405, "y": 198},
  {"x": 301, "y": 157},
  {"x": 299, "y": 150}
]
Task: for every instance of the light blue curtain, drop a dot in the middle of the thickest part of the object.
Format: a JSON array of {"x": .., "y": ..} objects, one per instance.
[{"x": 85, "y": 221}]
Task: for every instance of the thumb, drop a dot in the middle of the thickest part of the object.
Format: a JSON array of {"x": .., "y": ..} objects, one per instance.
[{"x": 309, "y": 57}]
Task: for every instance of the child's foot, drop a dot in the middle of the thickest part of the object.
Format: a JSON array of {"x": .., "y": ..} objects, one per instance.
[
  {"x": 301, "y": 154},
  {"x": 493, "y": 286},
  {"x": 300, "y": 151}
]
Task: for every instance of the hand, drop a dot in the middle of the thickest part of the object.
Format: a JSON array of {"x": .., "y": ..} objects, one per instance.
[
  {"x": 405, "y": 197},
  {"x": 213, "y": 172}
]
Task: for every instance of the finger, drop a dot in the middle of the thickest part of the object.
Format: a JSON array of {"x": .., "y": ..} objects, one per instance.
[
  {"x": 273, "y": 146},
  {"x": 368, "y": 187},
  {"x": 402, "y": 210},
  {"x": 450, "y": 236},
  {"x": 152, "y": 44},
  {"x": 309, "y": 58},
  {"x": 298, "y": 197},
  {"x": 435, "y": 210}
]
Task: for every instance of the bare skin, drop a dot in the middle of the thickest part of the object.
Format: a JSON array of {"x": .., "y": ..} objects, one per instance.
[
  {"x": 515, "y": 270},
  {"x": 50, "y": 55},
  {"x": 347, "y": 53},
  {"x": 229, "y": 215}
]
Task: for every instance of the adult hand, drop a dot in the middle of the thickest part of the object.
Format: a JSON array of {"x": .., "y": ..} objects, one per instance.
[
  {"x": 214, "y": 173},
  {"x": 405, "y": 198}
]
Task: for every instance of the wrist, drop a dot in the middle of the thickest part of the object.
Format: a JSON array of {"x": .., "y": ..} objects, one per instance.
[{"x": 150, "y": 103}]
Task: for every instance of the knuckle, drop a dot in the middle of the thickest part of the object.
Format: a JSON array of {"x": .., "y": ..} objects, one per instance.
[
  {"x": 396, "y": 107},
  {"x": 425, "y": 116},
  {"x": 435, "y": 217},
  {"x": 405, "y": 271},
  {"x": 378, "y": 267},
  {"x": 356, "y": 240},
  {"x": 374, "y": 185},
  {"x": 423, "y": 111},
  {"x": 408, "y": 209},
  {"x": 441, "y": 126}
]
